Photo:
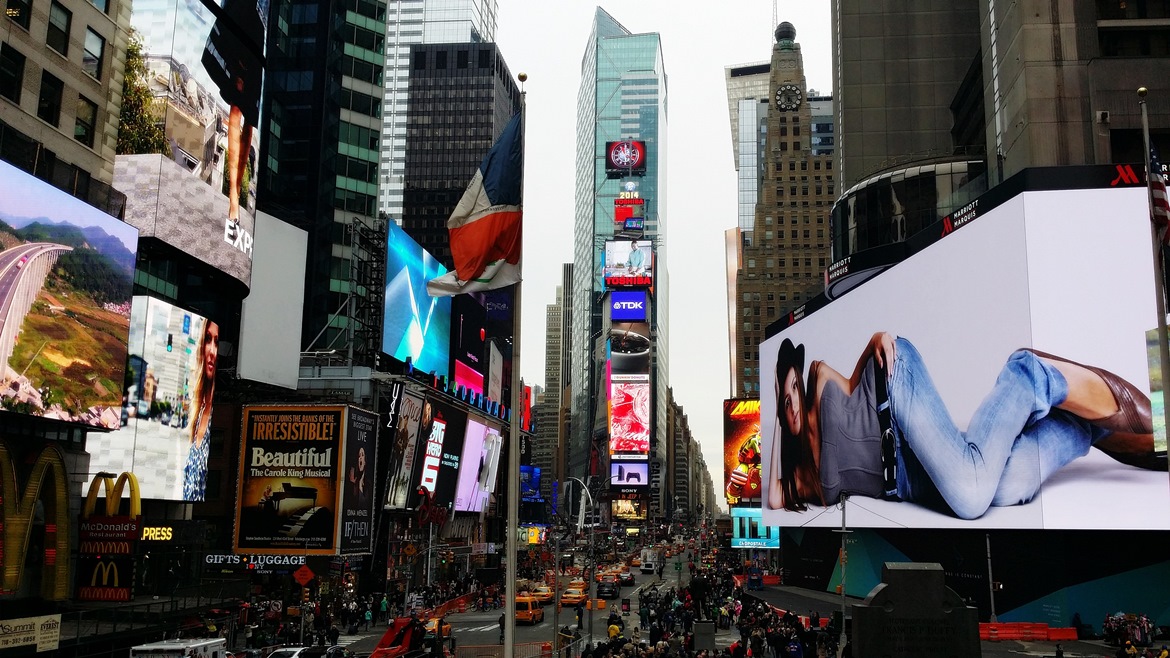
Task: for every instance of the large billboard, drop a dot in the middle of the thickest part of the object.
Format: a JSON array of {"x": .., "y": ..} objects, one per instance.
[
  {"x": 629, "y": 426},
  {"x": 626, "y": 157},
  {"x": 624, "y": 475},
  {"x": 748, "y": 529},
  {"x": 196, "y": 190},
  {"x": 982, "y": 431},
  {"x": 741, "y": 451},
  {"x": 404, "y": 423},
  {"x": 165, "y": 428},
  {"x": 469, "y": 342},
  {"x": 357, "y": 499},
  {"x": 628, "y": 264},
  {"x": 628, "y": 305},
  {"x": 440, "y": 447},
  {"x": 290, "y": 479},
  {"x": 66, "y": 279},
  {"x": 415, "y": 325},
  {"x": 477, "y": 470}
]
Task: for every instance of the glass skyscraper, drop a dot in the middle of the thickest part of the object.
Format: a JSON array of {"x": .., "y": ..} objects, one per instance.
[
  {"x": 622, "y": 95},
  {"x": 412, "y": 22}
]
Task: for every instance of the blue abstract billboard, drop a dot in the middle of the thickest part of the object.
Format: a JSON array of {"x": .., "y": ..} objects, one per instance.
[
  {"x": 748, "y": 529},
  {"x": 415, "y": 325}
]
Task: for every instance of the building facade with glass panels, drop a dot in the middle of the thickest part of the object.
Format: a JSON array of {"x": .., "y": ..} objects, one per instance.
[{"x": 622, "y": 95}]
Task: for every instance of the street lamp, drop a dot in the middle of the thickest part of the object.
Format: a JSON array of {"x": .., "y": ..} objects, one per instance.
[{"x": 590, "y": 582}]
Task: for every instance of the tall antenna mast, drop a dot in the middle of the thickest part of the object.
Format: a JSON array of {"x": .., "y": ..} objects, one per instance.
[{"x": 775, "y": 21}]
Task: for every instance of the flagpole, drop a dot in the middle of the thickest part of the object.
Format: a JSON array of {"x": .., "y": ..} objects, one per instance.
[
  {"x": 1159, "y": 273},
  {"x": 513, "y": 524}
]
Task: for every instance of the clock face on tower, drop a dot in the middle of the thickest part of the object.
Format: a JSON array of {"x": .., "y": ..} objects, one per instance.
[{"x": 788, "y": 97}]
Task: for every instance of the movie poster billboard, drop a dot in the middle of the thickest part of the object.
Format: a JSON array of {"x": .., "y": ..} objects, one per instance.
[
  {"x": 415, "y": 325},
  {"x": 1001, "y": 350},
  {"x": 628, "y": 264},
  {"x": 629, "y": 427},
  {"x": 440, "y": 447},
  {"x": 166, "y": 417},
  {"x": 405, "y": 432},
  {"x": 290, "y": 477},
  {"x": 357, "y": 500},
  {"x": 477, "y": 471},
  {"x": 741, "y": 451},
  {"x": 196, "y": 188},
  {"x": 66, "y": 280}
]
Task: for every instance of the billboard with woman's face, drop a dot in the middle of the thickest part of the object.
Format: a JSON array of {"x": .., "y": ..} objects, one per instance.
[
  {"x": 998, "y": 378},
  {"x": 165, "y": 426}
]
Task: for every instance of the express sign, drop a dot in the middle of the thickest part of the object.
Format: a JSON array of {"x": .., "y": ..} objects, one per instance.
[{"x": 628, "y": 306}]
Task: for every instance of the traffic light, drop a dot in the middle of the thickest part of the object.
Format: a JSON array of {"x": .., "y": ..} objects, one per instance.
[
  {"x": 304, "y": 594},
  {"x": 170, "y": 342}
]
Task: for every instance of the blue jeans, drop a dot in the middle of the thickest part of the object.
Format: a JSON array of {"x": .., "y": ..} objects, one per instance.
[{"x": 1015, "y": 440}]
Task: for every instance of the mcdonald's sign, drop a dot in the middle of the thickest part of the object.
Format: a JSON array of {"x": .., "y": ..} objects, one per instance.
[
  {"x": 16, "y": 516},
  {"x": 105, "y": 570}
]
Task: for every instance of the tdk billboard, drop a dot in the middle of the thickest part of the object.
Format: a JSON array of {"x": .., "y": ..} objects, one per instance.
[{"x": 627, "y": 306}]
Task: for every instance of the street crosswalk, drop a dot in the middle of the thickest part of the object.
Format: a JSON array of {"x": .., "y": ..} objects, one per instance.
[
  {"x": 477, "y": 629},
  {"x": 346, "y": 640}
]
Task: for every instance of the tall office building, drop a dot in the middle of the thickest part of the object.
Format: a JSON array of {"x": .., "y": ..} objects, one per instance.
[
  {"x": 622, "y": 96},
  {"x": 409, "y": 23},
  {"x": 61, "y": 70},
  {"x": 463, "y": 96},
  {"x": 322, "y": 114},
  {"x": 783, "y": 255}
]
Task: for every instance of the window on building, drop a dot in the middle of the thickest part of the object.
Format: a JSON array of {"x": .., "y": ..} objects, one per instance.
[
  {"x": 20, "y": 11},
  {"x": 11, "y": 72},
  {"x": 751, "y": 263},
  {"x": 441, "y": 60},
  {"x": 747, "y": 297},
  {"x": 783, "y": 146},
  {"x": 755, "y": 296},
  {"x": 49, "y": 101},
  {"x": 95, "y": 49},
  {"x": 420, "y": 60},
  {"x": 485, "y": 58},
  {"x": 461, "y": 59},
  {"x": 796, "y": 132},
  {"x": 86, "y": 121},
  {"x": 783, "y": 131},
  {"x": 58, "y": 35}
]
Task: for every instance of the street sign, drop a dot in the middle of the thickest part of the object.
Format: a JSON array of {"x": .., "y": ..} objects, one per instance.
[
  {"x": 303, "y": 575},
  {"x": 625, "y": 607},
  {"x": 678, "y": 566},
  {"x": 409, "y": 550}
]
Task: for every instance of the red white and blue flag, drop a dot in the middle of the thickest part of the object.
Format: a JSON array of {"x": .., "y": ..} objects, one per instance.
[
  {"x": 485, "y": 228},
  {"x": 1160, "y": 205}
]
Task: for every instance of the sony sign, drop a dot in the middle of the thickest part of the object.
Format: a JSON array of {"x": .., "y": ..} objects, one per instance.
[{"x": 628, "y": 306}]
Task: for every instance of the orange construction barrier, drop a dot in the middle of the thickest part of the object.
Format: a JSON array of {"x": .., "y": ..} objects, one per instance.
[{"x": 546, "y": 650}]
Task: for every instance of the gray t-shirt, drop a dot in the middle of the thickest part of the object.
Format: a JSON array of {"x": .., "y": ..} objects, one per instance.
[{"x": 851, "y": 443}]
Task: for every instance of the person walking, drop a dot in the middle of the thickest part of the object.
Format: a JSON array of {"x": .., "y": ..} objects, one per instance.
[{"x": 502, "y": 625}]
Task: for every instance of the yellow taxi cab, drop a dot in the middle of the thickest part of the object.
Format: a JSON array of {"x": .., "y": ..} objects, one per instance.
[
  {"x": 433, "y": 623},
  {"x": 577, "y": 583},
  {"x": 635, "y": 562},
  {"x": 542, "y": 593},
  {"x": 529, "y": 610},
  {"x": 572, "y": 596}
]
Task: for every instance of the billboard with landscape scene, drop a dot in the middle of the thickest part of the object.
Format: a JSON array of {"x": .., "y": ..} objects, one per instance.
[{"x": 66, "y": 278}]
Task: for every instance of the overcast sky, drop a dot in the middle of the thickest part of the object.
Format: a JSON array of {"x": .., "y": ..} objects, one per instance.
[{"x": 546, "y": 39}]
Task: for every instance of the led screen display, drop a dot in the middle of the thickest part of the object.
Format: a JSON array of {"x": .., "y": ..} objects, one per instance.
[
  {"x": 628, "y": 264},
  {"x": 629, "y": 428},
  {"x": 629, "y": 474},
  {"x": 626, "y": 157},
  {"x": 984, "y": 431},
  {"x": 469, "y": 342},
  {"x": 165, "y": 423},
  {"x": 66, "y": 280},
  {"x": 741, "y": 451},
  {"x": 439, "y": 450},
  {"x": 415, "y": 325},
  {"x": 628, "y": 510},
  {"x": 290, "y": 479},
  {"x": 748, "y": 529},
  {"x": 477, "y": 471},
  {"x": 530, "y": 484},
  {"x": 629, "y": 306},
  {"x": 194, "y": 185},
  {"x": 629, "y": 348}
]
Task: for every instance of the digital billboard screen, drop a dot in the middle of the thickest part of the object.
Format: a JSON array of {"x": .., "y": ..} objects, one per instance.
[
  {"x": 194, "y": 185},
  {"x": 741, "y": 451},
  {"x": 530, "y": 484},
  {"x": 66, "y": 281},
  {"x": 630, "y": 405},
  {"x": 415, "y": 325},
  {"x": 628, "y": 306},
  {"x": 629, "y": 348},
  {"x": 165, "y": 425},
  {"x": 440, "y": 448},
  {"x": 628, "y": 510},
  {"x": 469, "y": 342},
  {"x": 625, "y": 157},
  {"x": 629, "y": 474},
  {"x": 984, "y": 432},
  {"x": 477, "y": 470},
  {"x": 748, "y": 529},
  {"x": 405, "y": 425},
  {"x": 290, "y": 477},
  {"x": 628, "y": 264}
]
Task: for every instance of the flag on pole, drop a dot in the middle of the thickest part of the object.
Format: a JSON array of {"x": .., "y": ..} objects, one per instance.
[
  {"x": 1160, "y": 205},
  {"x": 485, "y": 226}
]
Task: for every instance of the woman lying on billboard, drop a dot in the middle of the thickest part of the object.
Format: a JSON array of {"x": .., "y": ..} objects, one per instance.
[{"x": 1044, "y": 411}]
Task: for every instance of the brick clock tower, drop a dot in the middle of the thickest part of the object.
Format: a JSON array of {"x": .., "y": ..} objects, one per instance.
[{"x": 785, "y": 254}]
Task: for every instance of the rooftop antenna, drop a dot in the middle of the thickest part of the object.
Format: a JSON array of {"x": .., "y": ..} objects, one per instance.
[{"x": 775, "y": 21}]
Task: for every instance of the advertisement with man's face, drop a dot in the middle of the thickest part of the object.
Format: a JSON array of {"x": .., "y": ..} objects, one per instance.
[
  {"x": 66, "y": 278},
  {"x": 196, "y": 190},
  {"x": 166, "y": 418},
  {"x": 1016, "y": 378},
  {"x": 357, "y": 500},
  {"x": 440, "y": 447},
  {"x": 290, "y": 472},
  {"x": 406, "y": 426},
  {"x": 628, "y": 264},
  {"x": 741, "y": 451}
]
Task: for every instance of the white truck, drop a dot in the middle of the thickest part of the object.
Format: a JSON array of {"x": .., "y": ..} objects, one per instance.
[
  {"x": 650, "y": 560},
  {"x": 193, "y": 648}
]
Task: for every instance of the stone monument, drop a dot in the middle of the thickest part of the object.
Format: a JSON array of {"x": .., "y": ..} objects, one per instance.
[{"x": 912, "y": 614}]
